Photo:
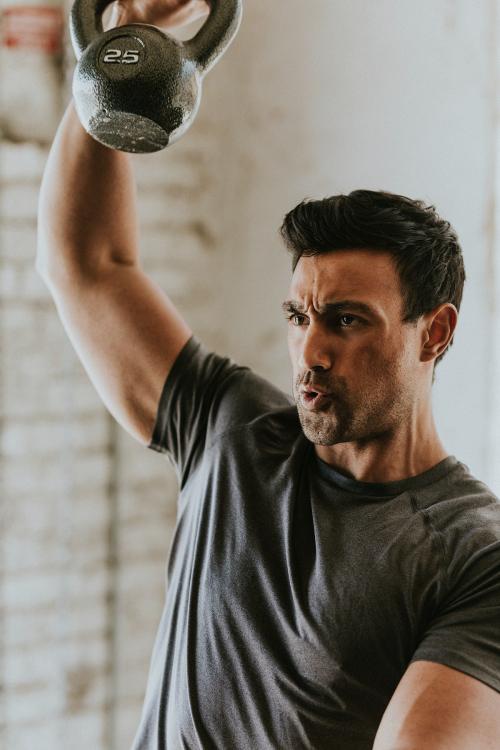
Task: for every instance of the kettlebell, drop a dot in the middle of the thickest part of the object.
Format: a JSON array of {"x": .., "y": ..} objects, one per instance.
[{"x": 136, "y": 88}]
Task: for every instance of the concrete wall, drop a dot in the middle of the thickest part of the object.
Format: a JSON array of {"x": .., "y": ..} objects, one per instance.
[
  {"x": 386, "y": 95},
  {"x": 312, "y": 99}
]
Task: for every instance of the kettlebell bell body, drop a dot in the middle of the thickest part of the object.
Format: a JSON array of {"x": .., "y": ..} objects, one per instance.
[{"x": 136, "y": 88}]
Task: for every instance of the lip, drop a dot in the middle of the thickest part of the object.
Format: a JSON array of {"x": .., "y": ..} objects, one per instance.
[
  {"x": 313, "y": 403},
  {"x": 310, "y": 389}
]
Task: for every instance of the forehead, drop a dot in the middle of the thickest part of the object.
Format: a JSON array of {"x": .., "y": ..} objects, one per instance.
[{"x": 367, "y": 275}]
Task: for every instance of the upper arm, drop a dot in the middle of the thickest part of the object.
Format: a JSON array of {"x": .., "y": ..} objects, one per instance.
[
  {"x": 127, "y": 334},
  {"x": 439, "y": 708}
]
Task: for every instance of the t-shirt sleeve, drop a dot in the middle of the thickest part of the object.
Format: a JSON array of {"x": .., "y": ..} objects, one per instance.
[
  {"x": 465, "y": 631},
  {"x": 205, "y": 395}
]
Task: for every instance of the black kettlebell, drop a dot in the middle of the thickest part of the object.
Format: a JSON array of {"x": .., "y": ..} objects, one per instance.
[{"x": 137, "y": 88}]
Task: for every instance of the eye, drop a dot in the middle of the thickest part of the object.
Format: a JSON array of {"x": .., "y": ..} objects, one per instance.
[
  {"x": 343, "y": 321},
  {"x": 294, "y": 316},
  {"x": 347, "y": 316}
]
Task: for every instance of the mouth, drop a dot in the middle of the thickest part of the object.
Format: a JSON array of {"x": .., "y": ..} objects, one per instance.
[{"x": 313, "y": 400}]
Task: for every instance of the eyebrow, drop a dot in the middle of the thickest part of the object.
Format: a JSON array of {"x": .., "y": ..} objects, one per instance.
[{"x": 291, "y": 305}]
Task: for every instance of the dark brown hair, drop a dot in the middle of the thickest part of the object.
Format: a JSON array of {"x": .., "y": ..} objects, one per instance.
[{"x": 425, "y": 247}]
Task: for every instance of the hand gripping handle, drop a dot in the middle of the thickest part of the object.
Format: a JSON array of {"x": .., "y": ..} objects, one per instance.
[
  {"x": 204, "y": 49},
  {"x": 216, "y": 34}
]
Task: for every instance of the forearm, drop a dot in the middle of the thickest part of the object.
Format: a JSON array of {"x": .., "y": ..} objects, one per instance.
[{"x": 87, "y": 213}]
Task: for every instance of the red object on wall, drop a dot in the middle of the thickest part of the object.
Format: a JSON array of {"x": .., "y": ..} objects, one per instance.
[
  {"x": 32, "y": 58},
  {"x": 33, "y": 27}
]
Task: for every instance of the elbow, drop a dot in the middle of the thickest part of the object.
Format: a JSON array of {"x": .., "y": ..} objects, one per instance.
[
  {"x": 42, "y": 253},
  {"x": 42, "y": 267},
  {"x": 40, "y": 264},
  {"x": 47, "y": 271}
]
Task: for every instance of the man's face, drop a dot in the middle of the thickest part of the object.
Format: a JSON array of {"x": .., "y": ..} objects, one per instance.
[{"x": 365, "y": 359}]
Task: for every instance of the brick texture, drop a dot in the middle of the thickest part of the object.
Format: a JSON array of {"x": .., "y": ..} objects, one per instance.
[{"x": 87, "y": 512}]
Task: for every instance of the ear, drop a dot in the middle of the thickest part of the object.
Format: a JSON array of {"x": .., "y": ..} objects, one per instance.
[{"x": 439, "y": 327}]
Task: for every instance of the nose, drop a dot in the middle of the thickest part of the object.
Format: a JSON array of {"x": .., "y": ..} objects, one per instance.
[{"x": 315, "y": 353}]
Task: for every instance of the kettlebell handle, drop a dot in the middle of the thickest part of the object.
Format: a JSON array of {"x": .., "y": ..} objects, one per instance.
[
  {"x": 216, "y": 34},
  {"x": 85, "y": 23},
  {"x": 204, "y": 49}
]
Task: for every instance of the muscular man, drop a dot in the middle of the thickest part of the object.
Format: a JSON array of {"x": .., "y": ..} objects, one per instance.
[{"x": 334, "y": 578}]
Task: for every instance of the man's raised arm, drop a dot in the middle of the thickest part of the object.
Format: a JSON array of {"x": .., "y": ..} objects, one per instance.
[
  {"x": 125, "y": 330},
  {"x": 87, "y": 216}
]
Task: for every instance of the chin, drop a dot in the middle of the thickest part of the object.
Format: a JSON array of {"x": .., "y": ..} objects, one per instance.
[{"x": 319, "y": 428}]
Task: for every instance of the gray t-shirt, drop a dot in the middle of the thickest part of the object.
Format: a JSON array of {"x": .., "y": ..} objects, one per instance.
[{"x": 297, "y": 597}]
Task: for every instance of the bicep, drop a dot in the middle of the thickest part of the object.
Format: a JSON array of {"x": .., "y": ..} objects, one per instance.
[
  {"x": 439, "y": 708},
  {"x": 127, "y": 334}
]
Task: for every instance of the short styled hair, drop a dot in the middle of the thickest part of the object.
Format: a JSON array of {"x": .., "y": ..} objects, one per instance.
[{"x": 425, "y": 247}]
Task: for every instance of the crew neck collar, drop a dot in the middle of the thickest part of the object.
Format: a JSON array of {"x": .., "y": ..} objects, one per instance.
[{"x": 384, "y": 489}]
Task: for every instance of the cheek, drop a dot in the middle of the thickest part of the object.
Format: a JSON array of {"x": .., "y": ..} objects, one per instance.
[{"x": 371, "y": 361}]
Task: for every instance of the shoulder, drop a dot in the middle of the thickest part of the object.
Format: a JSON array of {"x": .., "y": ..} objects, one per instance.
[
  {"x": 465, "y": 515},
  {"x": 459, "y": 499}
]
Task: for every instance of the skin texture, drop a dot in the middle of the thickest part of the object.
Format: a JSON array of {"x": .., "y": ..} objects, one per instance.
[
  {"x": 166, "y": 14},
  {"x": 378, "y": 426},
  {"x": 438, "y": 708}
]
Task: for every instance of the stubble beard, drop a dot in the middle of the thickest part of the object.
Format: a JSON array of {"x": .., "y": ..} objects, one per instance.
[
  {"x": 342, "y": 421},
  {"x": 327, "y": 427}
]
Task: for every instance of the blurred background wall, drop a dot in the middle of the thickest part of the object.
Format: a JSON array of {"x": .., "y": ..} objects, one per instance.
[{"x": 311, "y": 99}]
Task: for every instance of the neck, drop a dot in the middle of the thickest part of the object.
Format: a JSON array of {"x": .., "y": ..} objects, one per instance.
[{"x": 409, "y": 450}]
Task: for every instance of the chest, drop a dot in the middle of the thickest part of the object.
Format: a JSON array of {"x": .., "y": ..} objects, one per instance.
[{"x": 324, "y": 584}]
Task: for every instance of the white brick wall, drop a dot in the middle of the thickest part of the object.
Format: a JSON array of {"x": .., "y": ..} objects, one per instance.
[
  {"x": 87, "y": 512},
  {"x": 78, "y": 492}
]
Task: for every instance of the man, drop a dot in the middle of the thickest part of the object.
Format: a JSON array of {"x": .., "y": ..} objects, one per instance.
[{"x": 334, "y": 578}]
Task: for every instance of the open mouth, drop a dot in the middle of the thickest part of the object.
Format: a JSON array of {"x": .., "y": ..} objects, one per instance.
[
  {"x": 312, "y": 399},
  {"x": 310, "y": 395}
]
